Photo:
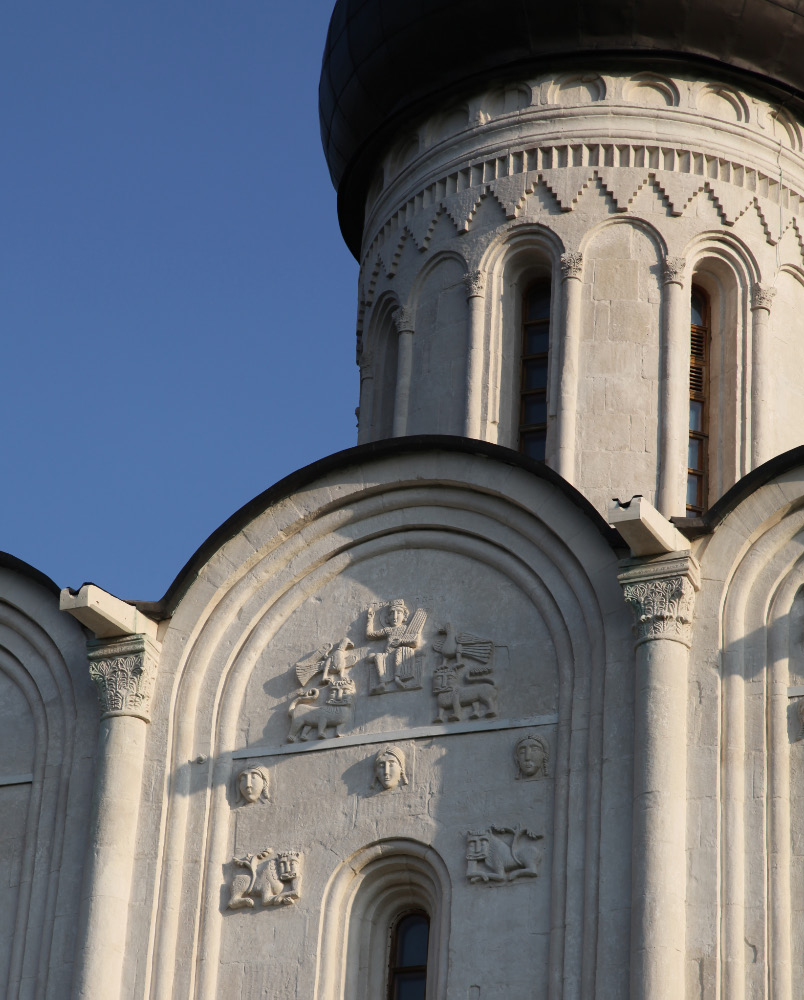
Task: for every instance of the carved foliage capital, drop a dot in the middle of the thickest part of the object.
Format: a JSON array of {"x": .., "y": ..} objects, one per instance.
[
  {"x": 403, "y": 318},
  {"x": 662, "y": 598},
  {"x": 572, "y": 264},
  {"x": 475, "y": 282},
  {"x": 673, "y": 270},
  {"x": 123, "y": 672},
  {"x": 762, "y": 296}
]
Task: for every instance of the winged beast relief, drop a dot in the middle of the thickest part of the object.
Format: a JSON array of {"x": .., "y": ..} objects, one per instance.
[
  {"x": 461, "y": 667},
  {"x": 309, "y": 710},
  {"x": 276, "y": 883},
  {"x": 465, "y": 676},
  {"x": 500, "y": 854}
]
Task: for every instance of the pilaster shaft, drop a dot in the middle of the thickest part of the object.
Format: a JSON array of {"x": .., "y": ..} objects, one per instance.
[
  {"x": 404, "y": 369},
  {"x": 572, "y": 276},
  {"x": 661, "y": 593},
  {"x": 674, "y": 416},
  {"x": 761, "y": 410},
  {"x": 366, "y": 407},
  {"x": 123, "y": 670},
  {"x": 475, "y": 282}
]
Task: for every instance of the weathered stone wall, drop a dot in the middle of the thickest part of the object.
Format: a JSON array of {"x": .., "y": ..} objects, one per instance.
[
  {"x": 511, "y": 606},
  {"x": 48, "y": 732}
]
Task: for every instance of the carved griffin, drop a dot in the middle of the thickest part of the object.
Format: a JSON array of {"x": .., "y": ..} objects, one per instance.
[
  {"x": 492, "y": 858},
  {"x": 277, "y": 884}
]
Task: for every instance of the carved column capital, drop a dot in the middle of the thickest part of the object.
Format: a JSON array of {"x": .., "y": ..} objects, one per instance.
[
  {"x": 661, "y": 594},
  {"x": 475, "y": 282},
  {"x": 673, "y": 270},
  {"x": 124, "y": 671},
  {"x": 572, "y": 264},
  {"x": 403, "y": 318},
  {"x": 762, "y": 296}
]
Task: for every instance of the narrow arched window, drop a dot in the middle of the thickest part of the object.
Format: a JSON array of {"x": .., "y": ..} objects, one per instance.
[
  {"x": 533, "y": 378},
  {"x": 698, "y": 450},
  {"x": 407, "y": 969}
]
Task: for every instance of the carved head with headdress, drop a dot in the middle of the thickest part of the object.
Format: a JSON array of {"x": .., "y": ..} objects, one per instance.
[
  {"x": 532, "y": 756},
  {"x": 251, "y": 785},
  {"x": 396, "y": 612},
  {"x": 389, "y": 768}
]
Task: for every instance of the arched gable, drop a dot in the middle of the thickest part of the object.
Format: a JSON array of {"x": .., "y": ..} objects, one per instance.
[{"x": 504, "y": 577}]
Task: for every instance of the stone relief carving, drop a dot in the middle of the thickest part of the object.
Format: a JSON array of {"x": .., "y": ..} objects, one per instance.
[
  {"x": 572, "y": 264},
  {"x": 334, "y": 713},
  {"x": 464, "y": 678},
  {"x": 461, "y": 674},
  {"x": 306, "y": 712},
  {"x": 276, "y": 883},
  {"x": 398, "y": 667},
  {"x": 532, "y": 756},
  {"x": 403, "y": 319},
  {"x": 389, "y": 769},
  {"x": 673, "y": 270},
  {"x": 800, "y": 715},
  {"x": 762, "y": 296},
  {"x": 475, "y": 283},
  {"x": 452, "y": 695},
  {"x": 662, "y": 608},
  {"x": 502, "y": 854},
  {"x": 123, "y": 672},
  {"x": 330, "y": 660},
  {"x": 251, "y": 785}
]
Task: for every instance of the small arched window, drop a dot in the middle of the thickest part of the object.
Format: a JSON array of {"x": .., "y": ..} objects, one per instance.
[
  {"x": 407, "y": 967},
  {"x": 698, "y": 449},
  {"x": 534, "y": 369}
]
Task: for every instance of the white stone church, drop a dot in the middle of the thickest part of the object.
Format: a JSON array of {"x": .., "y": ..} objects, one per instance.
[{"x": 438, "y": 716}]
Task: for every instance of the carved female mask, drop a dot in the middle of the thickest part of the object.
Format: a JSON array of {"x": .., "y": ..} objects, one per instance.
[
  {"x": 531, "y": 755},
  {"x": 252, "y": 785},
  {"x": 389, "y": 769}
]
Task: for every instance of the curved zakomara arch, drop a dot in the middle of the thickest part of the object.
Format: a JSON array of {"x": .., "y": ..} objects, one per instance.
[
  {"x": 254, "y": 585},
  {"x": 438, "y": 258},
  {"x": 386, "y": 304},
  {"x": 363, "y": 896},
  {"x": 37, "y": 650},
  {"x": 636, "y": 222},
  {"x": 379, "y": 352},
  {"x": 725, "y": 247},
  {"x": 755, "y": 560},
  {"x": 794, "y": 270}
]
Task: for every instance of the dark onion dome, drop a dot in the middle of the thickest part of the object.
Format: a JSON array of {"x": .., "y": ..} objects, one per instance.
[{"x": 388, "y": 60}]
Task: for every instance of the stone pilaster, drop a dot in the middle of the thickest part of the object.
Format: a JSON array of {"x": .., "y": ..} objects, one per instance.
[
  {"x": 572, "y": 288},
  {"x": 661, "y": 593},
  {"x": 124, "y": 671},
  {"x": 475, "y": 282},
  {"x": 674, "y": 392},
  {"x": 403, "y": 318},
  {"x": 762, "y": 297}
]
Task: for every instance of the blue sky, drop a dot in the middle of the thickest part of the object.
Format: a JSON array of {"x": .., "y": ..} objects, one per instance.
[{"x": 177, "y": 306}]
